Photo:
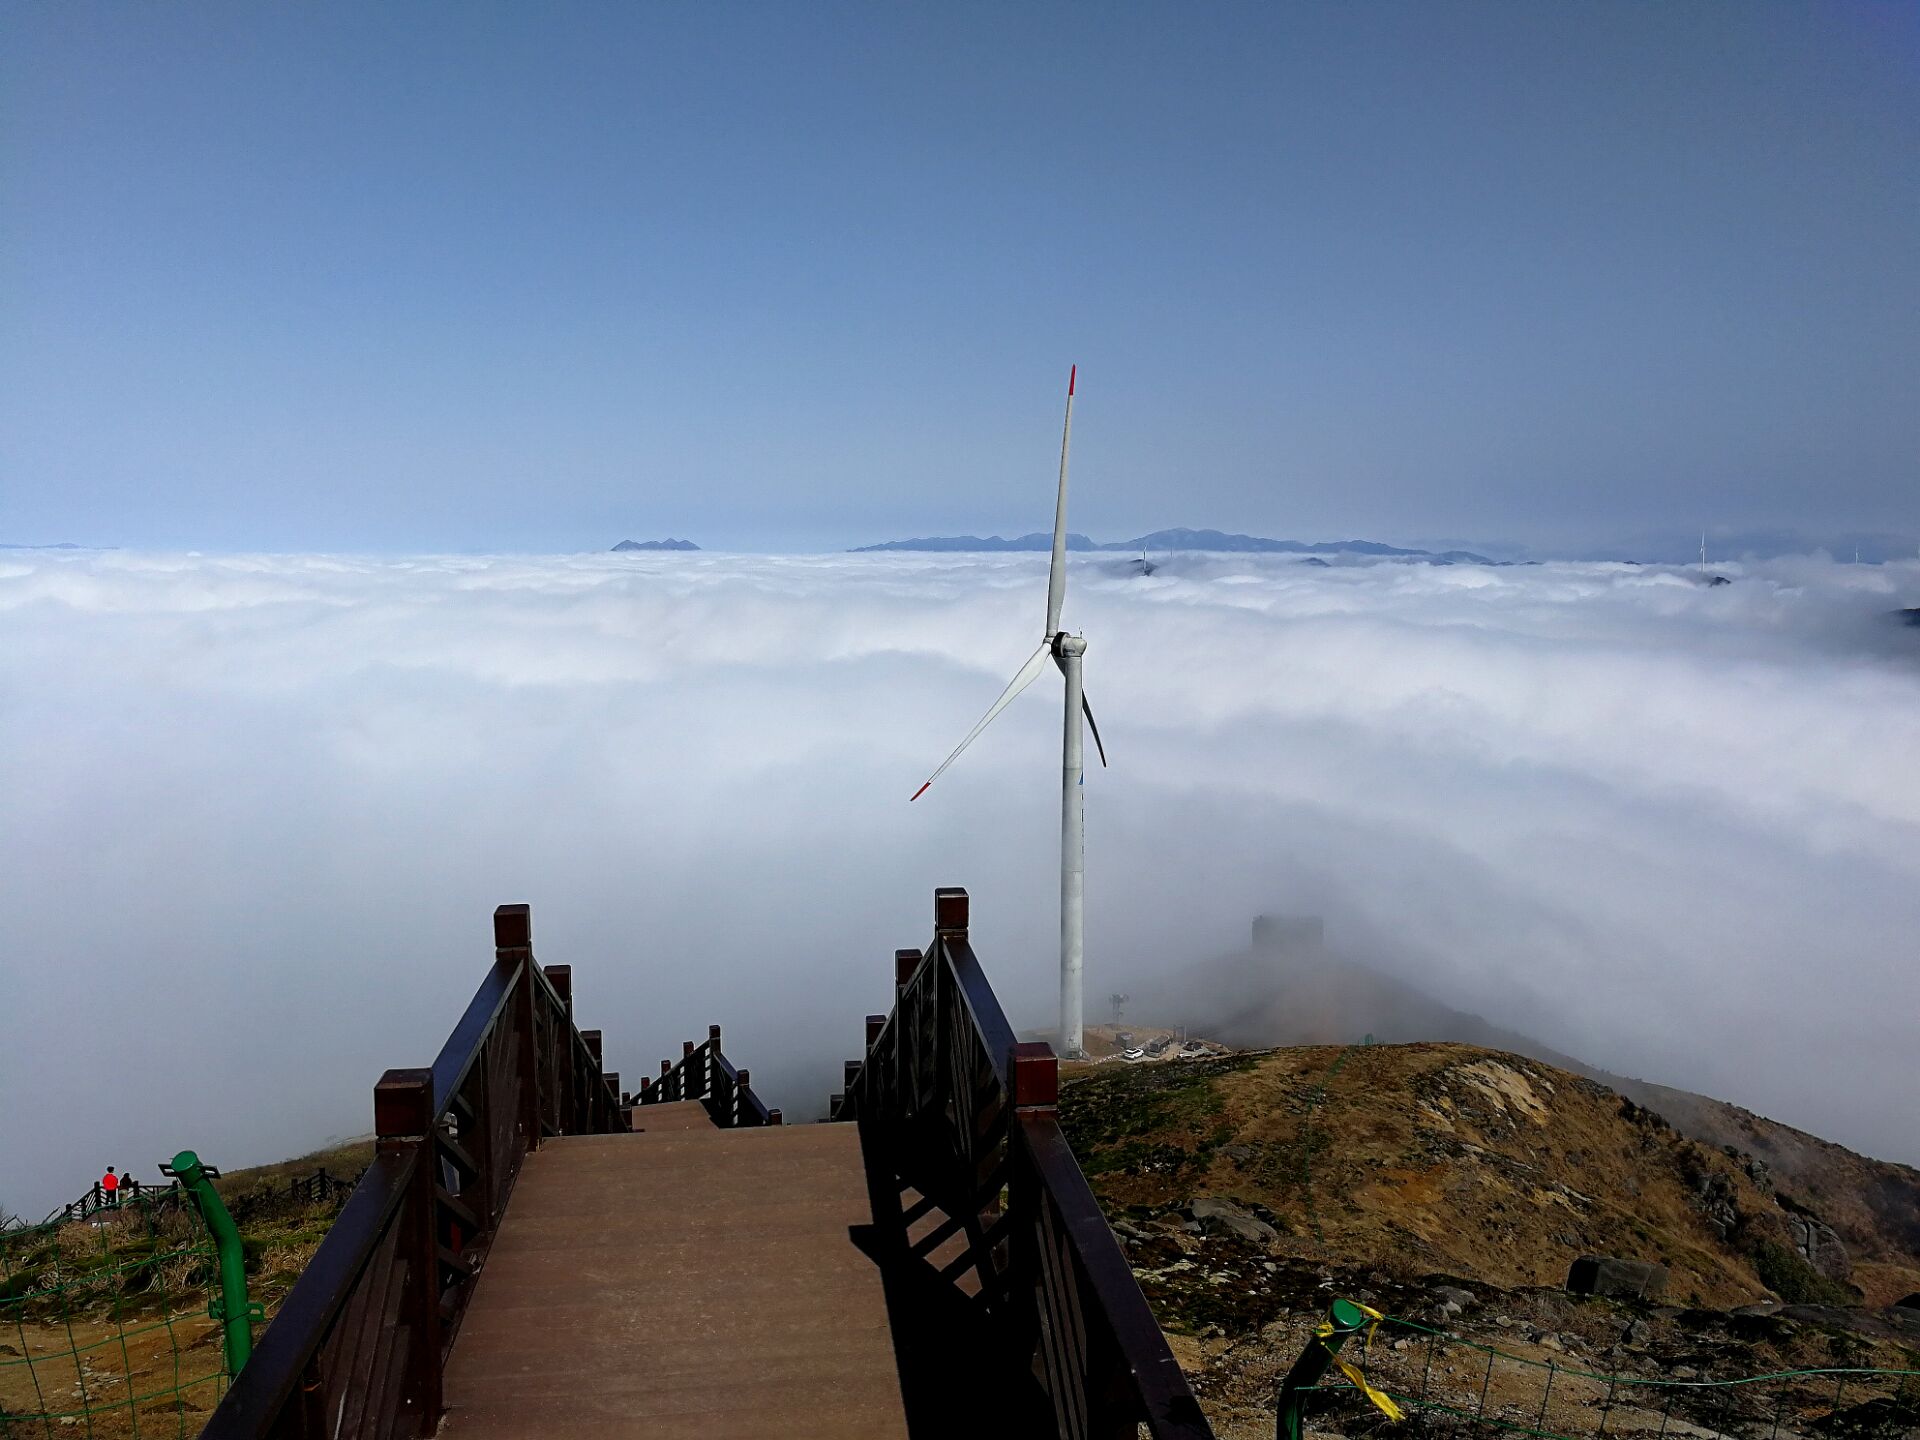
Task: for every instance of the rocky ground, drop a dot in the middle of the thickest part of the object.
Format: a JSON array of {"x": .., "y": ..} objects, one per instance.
[
  {"x": 1238, "y": 1311},
  {"x": 1451, "y": 1188}
]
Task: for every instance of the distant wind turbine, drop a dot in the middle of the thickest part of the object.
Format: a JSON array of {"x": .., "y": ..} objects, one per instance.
[{"x": 1066, "y": 651}]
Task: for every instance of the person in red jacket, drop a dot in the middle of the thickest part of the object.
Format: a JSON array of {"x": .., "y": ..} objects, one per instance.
[{"x": 110, "y": 1187}]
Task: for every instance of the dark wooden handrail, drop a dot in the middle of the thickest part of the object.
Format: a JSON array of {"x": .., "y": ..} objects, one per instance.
[
  {"x": 977, "y": 1186},
  {"x": 95, "y": 1200},
  {"x": 704, "y": 1073},
  {"x": 360, "y": 1344}
]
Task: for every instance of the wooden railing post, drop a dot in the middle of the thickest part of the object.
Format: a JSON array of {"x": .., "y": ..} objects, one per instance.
[
  {"x": 711, "y": 1068},
  {"x": 561, "y": 978},
  {"x": 1034, "y": 1076},
  {"x": 513, "y": 943},
  {"x": 596, "y": 1090},
  {"x": 1033, "y": 1088},
  {"x": 905, "y": 962},
  {"x": 950, "y": 912},
  {"x": 740, "y": 1082},
  {"x": 403, "y": 1124}
]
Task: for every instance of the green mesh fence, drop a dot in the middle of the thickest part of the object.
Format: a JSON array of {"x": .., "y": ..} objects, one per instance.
[
  {"x": 104, "y": 1328},
  {"x": 1444, "y": 1379}
]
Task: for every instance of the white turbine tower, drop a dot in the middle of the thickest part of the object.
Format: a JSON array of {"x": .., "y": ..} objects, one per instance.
[{"x": 1066, "y": 651}]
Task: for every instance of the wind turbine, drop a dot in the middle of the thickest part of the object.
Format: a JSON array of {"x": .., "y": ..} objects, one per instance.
[{"x": 1067, "y": 651}]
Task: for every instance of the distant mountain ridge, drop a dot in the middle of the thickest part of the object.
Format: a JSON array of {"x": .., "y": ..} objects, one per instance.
[
  {"x": 1181, "y": 538},
  {"x": 667, "y": 544},
  {"x": 1038, "y": 540}
]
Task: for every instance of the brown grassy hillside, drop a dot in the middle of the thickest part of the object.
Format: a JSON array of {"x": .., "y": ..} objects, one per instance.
[
  {"x": 1289, "y": 989},
  {"x": 1433, "y": 1159},
  {"x": 1873, "y": 1204}
]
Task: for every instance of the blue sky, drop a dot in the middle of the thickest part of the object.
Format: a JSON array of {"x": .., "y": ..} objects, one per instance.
[{"x": 541, "y": 277}]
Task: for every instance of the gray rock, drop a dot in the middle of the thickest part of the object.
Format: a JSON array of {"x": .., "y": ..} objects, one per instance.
[
  {"x": 1638, "y": 1333},
  {"x": 1820, "y": 1247},
  {"x": 1715, "y": 1200},
  {"x": 1453, "y": 1295},
  {"x": 1212, "y": 1207},
  {"x": 1622, "y": 1279},
  {"x": 1232, "y": 1217},
  {"x": 1684, "y": 1372},
  {"x": 1892, "y": 1323}
]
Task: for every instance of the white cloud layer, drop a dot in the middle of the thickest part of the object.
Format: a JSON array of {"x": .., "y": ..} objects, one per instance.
[{"x": 258, "y": 811}]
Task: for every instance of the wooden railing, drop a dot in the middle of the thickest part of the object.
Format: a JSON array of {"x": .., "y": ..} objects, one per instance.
[
  {"x": 981, "y": 1190},
  {"x": 359, "y": 1346},
  {"x": 98, "y": 1199},
  {"x": 705, "y": 1074},
  {"x": 318, "y": 1188}
]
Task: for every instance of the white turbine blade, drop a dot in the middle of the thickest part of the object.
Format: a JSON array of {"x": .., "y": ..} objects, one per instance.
[
  {"x": 1057, "y": 576},
  {"x": 1028, "y": 672}
]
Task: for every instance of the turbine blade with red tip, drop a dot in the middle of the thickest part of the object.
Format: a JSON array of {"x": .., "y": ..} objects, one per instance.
[{"x": 1035, "y": 664}]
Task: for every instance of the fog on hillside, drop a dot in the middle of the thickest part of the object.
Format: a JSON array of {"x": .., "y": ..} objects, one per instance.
[{"x": 259, "y": 809}]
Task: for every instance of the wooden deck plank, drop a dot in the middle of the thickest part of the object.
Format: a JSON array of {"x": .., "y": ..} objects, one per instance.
[
  {"x": 672, "y": 1115},
  {"x": 681, "y": 1281}
]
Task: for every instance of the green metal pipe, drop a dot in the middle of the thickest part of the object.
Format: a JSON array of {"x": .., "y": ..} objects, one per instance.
[
  {"x": 231, "y": 1309},
  {"x": 1344, "y": 1318}
]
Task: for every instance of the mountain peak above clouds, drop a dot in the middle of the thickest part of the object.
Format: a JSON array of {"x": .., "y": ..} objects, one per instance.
[{"x": 1181, "y": 538}]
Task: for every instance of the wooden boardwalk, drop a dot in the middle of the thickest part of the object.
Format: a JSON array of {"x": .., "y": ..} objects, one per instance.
[{"x": 682, "y": 1280}]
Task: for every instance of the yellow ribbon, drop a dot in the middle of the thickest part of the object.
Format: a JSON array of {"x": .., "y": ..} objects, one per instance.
[{"x": 1383, "y": 1401}]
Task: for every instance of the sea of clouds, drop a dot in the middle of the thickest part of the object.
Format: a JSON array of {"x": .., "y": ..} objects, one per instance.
[{"x": 258, "y": 811}]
